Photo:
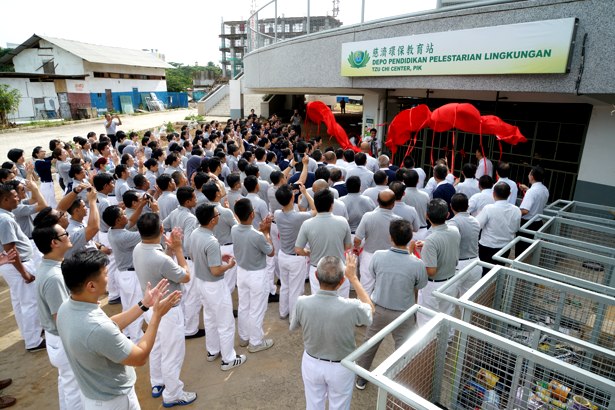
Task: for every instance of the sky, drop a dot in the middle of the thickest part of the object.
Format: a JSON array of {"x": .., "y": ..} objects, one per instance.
[{"x": 187, "y": 33}]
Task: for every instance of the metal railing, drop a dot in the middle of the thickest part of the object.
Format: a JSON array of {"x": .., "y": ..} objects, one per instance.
[
  {"x": 452, "y": 364},
  {"x": 213, "y": 98},
  {"x": 587, "y": 236},
  {"x": 582, "y": 211},
  {"x": 576, "y": 267}
]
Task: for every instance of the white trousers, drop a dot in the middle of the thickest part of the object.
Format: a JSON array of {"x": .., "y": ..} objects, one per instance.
[
  {"x": 68, "y": 389},
  {"x": 112, "y": 272},
  {"x": 428, "y": 300},
  {"x": 125, "y": 402},
  {"x": 191, "y": 303},
  {"x": 326, "y": 381},
  {"x": 218, "y": 318},
  {"x": 48, "y": 192},
  {"x": 37, "y": 256},
  {"x": 253, "y": 292},
  {"x": 230, "y": 276},
  {"x": 368, "y": 281},
  {"x": 470, "y": 278},
  {"x": 343, "y": 291},
  {"x": 167, "y": 356},
  {"x": 272, "y": 263},
  {"x": 293, "y": 269},
  {"x": 23, "y": 298},
  {"x": 131, "y": 294}
]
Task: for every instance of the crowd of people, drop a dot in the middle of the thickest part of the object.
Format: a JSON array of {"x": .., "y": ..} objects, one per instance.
[{"x": 170, "y": 226}]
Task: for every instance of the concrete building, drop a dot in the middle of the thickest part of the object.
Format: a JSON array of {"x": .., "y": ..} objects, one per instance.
[
  {"x": 564, "y": 108},
  {"x": 83, "y": 80}
]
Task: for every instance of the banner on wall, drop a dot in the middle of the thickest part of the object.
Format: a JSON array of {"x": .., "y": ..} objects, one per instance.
[{"x": 540, "y": 47}]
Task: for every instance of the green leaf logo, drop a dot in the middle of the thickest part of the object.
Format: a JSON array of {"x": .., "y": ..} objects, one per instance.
[{"x": 358, "y": 59}]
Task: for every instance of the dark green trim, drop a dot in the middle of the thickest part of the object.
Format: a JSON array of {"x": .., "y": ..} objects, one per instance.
[{"x": 594, "y": 193}]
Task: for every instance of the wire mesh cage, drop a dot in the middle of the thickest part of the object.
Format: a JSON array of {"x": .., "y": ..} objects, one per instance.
[
  {"x": 563, "y": 263},
  {"x": 582, "y": 211},
  {"x": 591, "y": 237},
  {"x": 455, "y": 365}
]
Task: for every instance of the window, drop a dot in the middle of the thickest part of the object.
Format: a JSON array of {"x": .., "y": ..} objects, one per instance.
[
  {"x": 298, "y": 27},
  {"x": 49, "y": 67}
]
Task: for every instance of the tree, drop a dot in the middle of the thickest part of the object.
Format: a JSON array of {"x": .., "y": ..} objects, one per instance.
[
  {"x": 179, "y": 78},
  {"x": 9, "y": 102},
  {"x": 10, "y": 68}
]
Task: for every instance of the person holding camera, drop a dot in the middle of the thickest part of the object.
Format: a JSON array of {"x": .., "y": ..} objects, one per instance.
[{"x": 111, "y": 123}]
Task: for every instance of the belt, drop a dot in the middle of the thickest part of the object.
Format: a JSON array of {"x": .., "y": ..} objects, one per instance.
[
  {"x": 131, "y": 269},
  {"x": 423, "y": 227},
  {"x": 188, "y": 258},
  {"x": 352, "y": 232},
  {"x": 46, "y": 182},
  {"x": 324, "y": 360},
  {"x": 227, "y": 244},
  {"x": 273, "y": 222},
  {"x": 291, "y": 254},
  {"x": 439, "y": 280},
  {"x": 467, "y": 259}
]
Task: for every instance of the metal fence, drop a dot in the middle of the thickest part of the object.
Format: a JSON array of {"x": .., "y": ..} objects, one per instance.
[
  {"x": 558, "y": 262},
  {"x": 455, "y": 365},
  {"x": 588, "y": 236},
  {"x": 582, "y": 211}
]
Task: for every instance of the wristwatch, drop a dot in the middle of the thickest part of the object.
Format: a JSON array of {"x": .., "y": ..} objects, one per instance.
[{"x": 142, "y": 306}]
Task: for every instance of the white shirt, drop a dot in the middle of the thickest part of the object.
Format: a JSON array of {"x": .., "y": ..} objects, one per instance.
[
  {"x": 372, "y": 164},
  {"x": 512, "y": 199},
  {"x": 422, "y": 177},
  {"x": 499, "y": 222},
  {"x": 468, "y": 187},
  {"x": 535, "y": 200},
  {"x": 480, "y": 168},
  {"x": 479, "y": 201}
]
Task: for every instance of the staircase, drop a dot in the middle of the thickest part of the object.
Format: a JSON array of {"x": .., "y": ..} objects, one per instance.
[{"x": 221, "y": 109}]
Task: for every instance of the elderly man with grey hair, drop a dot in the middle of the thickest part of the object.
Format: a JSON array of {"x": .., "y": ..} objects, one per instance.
[
  {"x": 328, "y": 322},
  {"x": 339, "y": 208}
]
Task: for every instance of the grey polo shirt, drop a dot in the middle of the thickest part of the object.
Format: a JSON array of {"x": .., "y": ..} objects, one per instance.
[
  {"x": 51, "y": 292},
  {"x": 250, "y": 247},
  {"x": 151, "y": 177},
  {"x": 205, "y": 251},
  {"x": 222, "y": 230},
  {"x": 102, "y": 203},
  {"x": 357, "y": 205},
  {"x": 327, "y": 235},
  {"x": 304, "y": 203},
  {"x": 76, "y": 231},
  {"x": 232, "y": 197},
  {"x": 264, "y": 171},
  {"x": 123, "y": 243},
  {"x": 23, "y": 215},
  {"x": 373, "y": 192},
  {"x": 274, "y": 205},
  {"x": 329, "y": 322},
  {"x": 289, "y": 224},
  {"x": 121, "y": 186},
  {"x": 419, "y": 201},
  {"x": 152, "y": 265},
  {"x": 469, "y": 229},
  {"x": 366, "y": 176},
  {"x": 182, "y": 217},
  {"x": 261, "y": 210},
  {"x": 441, "y": 251},
  {"x": 167, "y": 202},
  {"x": 95, "y": 347},
  {"x": 408, "y": 213},
  {"x": 397, "y": 274},
  {"x": 374, "y": 228},
  {"x": 11, "y": 233}
]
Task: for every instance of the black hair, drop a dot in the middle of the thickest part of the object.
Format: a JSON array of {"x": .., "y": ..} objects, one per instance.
[
  {"x": 380, "y": 177},
  {"x": 469, "y": 170},
  {"x": 459, "y": 202},
  {"x": 440, "y": 172},
  {"x": 437, "y": 211},
  {"x": 163, "y": 181},
  {"x": 184, "y": 194},
  {"x": 275, "y": 177},
  {"x": 149, "y": 225},
  {"x": 82, "y": 267},
  {"x": 14, "y": 154},
  {"x": 129, "y": 198},
  {"x": 323, "y": 200},
  {"x": 42, "y": 237},
  {"x": 538, "y": 173},
  {"x": 111, "y": 214},
  {"x": 139, "y": 180},
  {"x": 360, "y": 158},
  {"x": 400, "y": 231},
  {"x": 485, "y": 182},
  {"x": 243, "y": 208},
  {"x": 501, "y": 190},
  {"x": 102, "y": 179},
  {"x": 250, "y": 183},
  {"x": 322, "y": 173},
  {"x": 398, "y": 189},
  {"x": 353, "y": 184},
  {"x": 284, "y": 194},
  {"x": 232, "y": 180},
  {"x": 205, "y": 213}
]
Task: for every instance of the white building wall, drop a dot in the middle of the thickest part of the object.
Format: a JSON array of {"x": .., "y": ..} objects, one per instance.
[
  {"x": 99, "y": 85},
  {"x": 597, "y": 163},
  {"x": 30, "y": 90},
  {"x": 31, "y": 60}
]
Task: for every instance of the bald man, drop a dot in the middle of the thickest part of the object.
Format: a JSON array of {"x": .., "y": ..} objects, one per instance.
[
  {"x": 339, "y": 208},
  {"x": 372, "y": 163},
  {"x": 373, "y": 232}
]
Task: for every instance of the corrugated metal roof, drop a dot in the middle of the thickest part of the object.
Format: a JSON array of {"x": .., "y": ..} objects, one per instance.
[{"x": 95, "y": 53}]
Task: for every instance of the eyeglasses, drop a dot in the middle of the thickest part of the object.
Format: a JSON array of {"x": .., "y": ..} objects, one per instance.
[{"x": 61, "y": 235}]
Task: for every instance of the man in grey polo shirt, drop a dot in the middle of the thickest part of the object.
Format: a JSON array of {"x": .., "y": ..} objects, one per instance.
[
  {"x": 293, "y": 267},
  {"x": 327, "y": 235},
  {"x": 402, "y": 209},
  {"x": 123, "y": 243},
  {"x": 222, "y": 230},
  {"x": 328, "y": 322},
  {"x": 101, "y": 357},
  {"x": 53, "y": 241},
  {"x": 416, "y": 199},
  {"x": 18, "y": 274},
  {"x": 82, "y": 236},
  {"x": 251, "y": 248},
  {"x": 366, "y": 176},
  {"x": 167, "y": 201},
  {"x": 210, "y": 267},
  {"x": 469, "y": 229},
  {"x": 374, "y": 229},
  {"x": 399, "y": 276},
  {"x": 356, "y": 204},
  {"x": 153, "y": 265},
  {"x": 183, "y": 217},
  {"x": 440, "y": 252}
]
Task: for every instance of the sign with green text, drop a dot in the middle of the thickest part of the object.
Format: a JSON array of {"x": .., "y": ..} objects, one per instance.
[{"x": 540, "y": 47}]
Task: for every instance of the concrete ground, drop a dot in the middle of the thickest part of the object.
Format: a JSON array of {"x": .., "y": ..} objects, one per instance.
[{"x": 269, "y": 379}]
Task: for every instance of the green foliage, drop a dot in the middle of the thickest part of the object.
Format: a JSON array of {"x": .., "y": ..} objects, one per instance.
[
  {"x": 194, "y": 118},
  {"x": 170, "y": 127},
  {"x": 9, "y": 102},
  {"x": 7, "y": 68},
  {"x": 179, "y": 78}
]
